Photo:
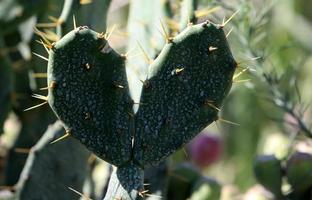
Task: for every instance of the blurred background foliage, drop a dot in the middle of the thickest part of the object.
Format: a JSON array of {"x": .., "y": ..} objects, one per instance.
[{"x": 271, "y": 41}]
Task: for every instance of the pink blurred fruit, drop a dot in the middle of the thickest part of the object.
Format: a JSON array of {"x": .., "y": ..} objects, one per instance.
[{"x": 205, "y": 149}]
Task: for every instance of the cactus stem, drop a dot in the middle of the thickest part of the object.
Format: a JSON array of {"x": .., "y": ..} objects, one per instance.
[
  {"x": 40, "y": 56},
  {"x": 67, "y": 134},
  {"x": 79, "y": 193},
  {"x": 36, "y": 106}
]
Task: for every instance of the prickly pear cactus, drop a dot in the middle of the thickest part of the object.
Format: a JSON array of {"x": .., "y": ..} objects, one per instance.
[
  {"x": 14, "y": 12},
  {"x": 6, "y": 85},
  {"x": 193, "y": 72},
  {"x": 47, "y": 168},
  {"x": 269, "y": 173},
  {"x": 88, "y": 91}
]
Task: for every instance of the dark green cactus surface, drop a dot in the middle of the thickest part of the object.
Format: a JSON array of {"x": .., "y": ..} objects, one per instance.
[
  {"x": 184, "y": 81},
  {"x": 298, "y": 171},
  {"x": 269, "y": 173},
  {"x": 88, "y": 91},
  {"x": 59, "y": 170},
  {"x": 6, "y": 84}
]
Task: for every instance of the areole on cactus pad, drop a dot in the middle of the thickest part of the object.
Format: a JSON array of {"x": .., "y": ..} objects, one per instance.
[{"x": 88, "y": 91}]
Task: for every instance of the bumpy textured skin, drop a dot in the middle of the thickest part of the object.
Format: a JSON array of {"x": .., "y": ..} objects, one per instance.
[
  {"x": 52, "y": 168},
  {"x": 125, "y": 183},
  {"x": 268, "y": 171},
  {"x": 174, "y": 104},
  {"x": 157, "y": 180},
  {"x": 91, "y": 94}
]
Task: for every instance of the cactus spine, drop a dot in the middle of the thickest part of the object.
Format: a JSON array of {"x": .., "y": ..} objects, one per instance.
[{"x": 89, "y": 93}]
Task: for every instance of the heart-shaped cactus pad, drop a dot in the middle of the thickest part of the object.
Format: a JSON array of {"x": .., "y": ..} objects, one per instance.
[{"x": 187, "y": 82}]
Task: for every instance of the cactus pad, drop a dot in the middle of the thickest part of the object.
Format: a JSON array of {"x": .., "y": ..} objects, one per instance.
[
  {"x": 187, "y": 82},
  {"x": 88, "y": 91}
]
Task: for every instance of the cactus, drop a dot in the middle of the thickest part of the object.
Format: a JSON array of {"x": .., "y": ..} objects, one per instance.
[
  {"x": 6, "y": 84},
  {"x": 298, "y": 172},
  {"x": 14, "y": 12},
  {"x": 192, "y": 73},
  {"x": 205, "y": 149},
  {"x": 88, "y": 91},
  {"x": 92, "y": 15},
  {"x": 59, "y": 170},
  {"x": 182, "y": 178},
  {"x": 188, "y": 8},
  {"x": 34, "y": 123},
  {"x": 156, "y": 179},
  {"x": 269, "y": 173}
]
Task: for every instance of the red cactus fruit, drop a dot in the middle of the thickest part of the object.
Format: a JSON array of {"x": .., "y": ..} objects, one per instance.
[{"x": 205, "y": 149}]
